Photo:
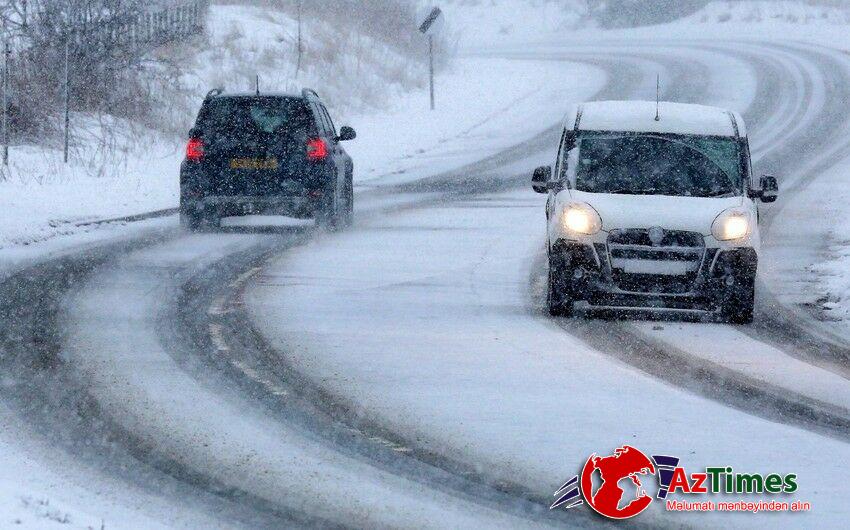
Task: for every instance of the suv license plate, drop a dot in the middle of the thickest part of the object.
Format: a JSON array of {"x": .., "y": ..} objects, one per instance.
[{"x": 253, "y": 163}]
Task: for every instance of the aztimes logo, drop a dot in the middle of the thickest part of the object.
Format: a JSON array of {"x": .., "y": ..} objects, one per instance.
[{"x": 603, "y": 486}]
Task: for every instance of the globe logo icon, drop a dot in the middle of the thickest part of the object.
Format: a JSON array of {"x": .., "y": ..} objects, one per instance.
[{"x": 610, "y": 498}]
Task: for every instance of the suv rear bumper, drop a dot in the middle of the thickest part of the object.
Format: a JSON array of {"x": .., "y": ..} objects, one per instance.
[
  {"x": 235, "y": 205},
  {"x": 593, "y": 279}
]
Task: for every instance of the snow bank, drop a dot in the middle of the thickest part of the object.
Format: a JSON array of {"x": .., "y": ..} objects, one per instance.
[
  {"x": 477, "y": 22},
  {"x": 116, "y": 169},
  {"x": 770, "y": 12}
]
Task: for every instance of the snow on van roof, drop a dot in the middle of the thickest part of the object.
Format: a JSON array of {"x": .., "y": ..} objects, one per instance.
[{"x": 675, "y": 118}]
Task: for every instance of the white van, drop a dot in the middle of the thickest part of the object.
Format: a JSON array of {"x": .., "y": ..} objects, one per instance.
[{"x": 651, "y": 206}]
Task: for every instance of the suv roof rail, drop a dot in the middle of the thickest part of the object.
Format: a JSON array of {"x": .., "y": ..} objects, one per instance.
[
  {"x": 214, "y": 92},
  {"x": 734, "y": 123},
  {"x": 309, "y": 92},
  {"x": 579, "y": 113}
]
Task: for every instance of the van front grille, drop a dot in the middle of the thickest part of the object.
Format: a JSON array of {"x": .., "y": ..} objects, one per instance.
[{"x": 655, "y": 261}]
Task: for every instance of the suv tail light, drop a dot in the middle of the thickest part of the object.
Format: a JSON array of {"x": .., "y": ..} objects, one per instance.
[
  {"x": 317, "y": 150},
  {"x": 195, "y": 150}
]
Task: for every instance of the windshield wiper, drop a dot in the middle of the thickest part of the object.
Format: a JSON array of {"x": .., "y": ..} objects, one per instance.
[{"x": 626, "y": 191}]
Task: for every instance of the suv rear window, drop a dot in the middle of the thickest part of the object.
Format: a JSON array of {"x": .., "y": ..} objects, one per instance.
[{"x": 258, "y": 115}]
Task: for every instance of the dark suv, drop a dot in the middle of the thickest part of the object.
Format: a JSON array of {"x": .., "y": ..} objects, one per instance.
[{"x": 273, "y": 154}]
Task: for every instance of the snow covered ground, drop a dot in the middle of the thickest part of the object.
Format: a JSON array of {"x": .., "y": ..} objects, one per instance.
[
  {"x": 474, "y": 371},
  {"x": 452, "y": 352},
  {"x": 187, "y": 412},
  {"x": 757, "y": 12},
  {"x": 111, "y": 174},
  {"x": 478, "y": 114},
  {"x": 455, "y": 353},
  {"x": 42, "y": 488},
  {"x": 479, "y": 22}
]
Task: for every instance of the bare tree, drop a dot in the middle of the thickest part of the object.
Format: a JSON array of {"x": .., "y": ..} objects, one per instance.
[{"x": 106, "y": 41}]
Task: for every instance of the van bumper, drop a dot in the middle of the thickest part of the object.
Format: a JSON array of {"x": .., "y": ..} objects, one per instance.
[{"x": 592, "y": 279}]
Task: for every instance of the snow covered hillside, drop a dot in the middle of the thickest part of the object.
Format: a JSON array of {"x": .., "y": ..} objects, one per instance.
[
  {"x": 120, "y": 168},
  {"x": 352, "y": 71},
  {"x": 772, "y": 11},
  {"x": 473, "y": 22}
]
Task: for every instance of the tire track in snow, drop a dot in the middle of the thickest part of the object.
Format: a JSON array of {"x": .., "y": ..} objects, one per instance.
[
  {"x": 263, "y": 375},
  {"x": 141, "y": 462}
]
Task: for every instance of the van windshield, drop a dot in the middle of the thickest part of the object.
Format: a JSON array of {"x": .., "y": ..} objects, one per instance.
[{"x": 691, "y": 166}]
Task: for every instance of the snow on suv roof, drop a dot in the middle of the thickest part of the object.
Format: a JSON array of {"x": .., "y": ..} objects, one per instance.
[{"x": 639, "y": 116}]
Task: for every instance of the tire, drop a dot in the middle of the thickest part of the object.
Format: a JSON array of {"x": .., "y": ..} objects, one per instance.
[
  {"x": 212, "y": 222},
  {"x": 346, "y": 217},
  {"x": 328, "y": 216},
  {"x": 190, "y": 221},
  {"x": 194, "y": 221},
  {"x": 348, "y": 212},
  {"x": 738, "y": 306},
  {"x": 559, "y": 295}
]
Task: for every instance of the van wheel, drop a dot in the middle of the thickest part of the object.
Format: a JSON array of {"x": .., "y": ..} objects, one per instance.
[
  {"x": 559, "y": 295},
  {"x": 738, "y": 306}
]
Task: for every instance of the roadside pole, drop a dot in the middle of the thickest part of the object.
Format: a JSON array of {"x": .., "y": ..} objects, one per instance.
[
  {"x": 431, "y": 67},
  {"x": 300, "y": 45},
  {"x": 7, "y": 53},
  {"x": 428, "y": 28},
  {"x": 67, "y": 99}
]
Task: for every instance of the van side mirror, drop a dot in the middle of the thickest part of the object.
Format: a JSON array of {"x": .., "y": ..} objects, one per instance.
[
  {"x": 346, "y": 133},
  {"x": 769, "y": 189},
  {"x": 540, "y": 179}
]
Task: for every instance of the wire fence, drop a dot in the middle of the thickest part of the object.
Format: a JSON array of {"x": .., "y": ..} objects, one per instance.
[
  {"x": 91, "y": 48},
  {"x": 151, "y": 27}
]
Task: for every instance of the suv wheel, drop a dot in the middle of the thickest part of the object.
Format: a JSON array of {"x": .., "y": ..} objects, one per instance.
[
  {"x": 194, "y": 221},
  {"x": 190, "y": 219},
  {"x": 348, "y": 212},
  {"x": 559, "y": 295},
  {"x": 212, "y": 221},
  {"x": 737, "y": 307},
  {"x": 328, "y": 216}
]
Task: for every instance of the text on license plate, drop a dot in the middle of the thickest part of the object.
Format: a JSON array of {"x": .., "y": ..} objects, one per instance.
[{"x": 253, "y": 163}]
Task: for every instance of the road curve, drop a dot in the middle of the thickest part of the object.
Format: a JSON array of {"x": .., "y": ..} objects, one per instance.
[{"x": 178, "y": 296}]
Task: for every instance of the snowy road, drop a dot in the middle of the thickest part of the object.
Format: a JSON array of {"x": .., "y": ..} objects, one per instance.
[{"x": 403, "y": 374}]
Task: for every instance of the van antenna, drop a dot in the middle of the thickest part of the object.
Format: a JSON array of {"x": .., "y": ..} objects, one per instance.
[
  {"x": 258, "y": 84},
  {"x": 657, "y": 97}
]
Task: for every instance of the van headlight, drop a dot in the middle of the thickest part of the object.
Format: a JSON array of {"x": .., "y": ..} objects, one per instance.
[
  {"x": 733, "y": 223},
  {"x": 580, "y": 218}
]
